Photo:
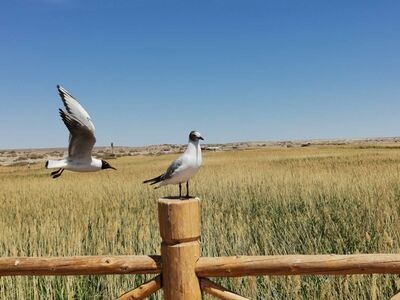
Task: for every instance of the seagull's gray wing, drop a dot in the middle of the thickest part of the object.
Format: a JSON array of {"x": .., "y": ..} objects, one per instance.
[
  {"x": 74, "y": 108},
  {"x": 81, "y": 138},
  {"x": 79, "y": 124},
  {"x": 174, "y": 166}
]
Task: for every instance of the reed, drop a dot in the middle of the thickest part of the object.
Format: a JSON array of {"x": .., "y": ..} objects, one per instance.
[{"x": 311, "y": 200}]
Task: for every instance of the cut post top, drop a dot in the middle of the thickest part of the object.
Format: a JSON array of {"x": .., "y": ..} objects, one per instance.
[{"x": 179, "y": 219}]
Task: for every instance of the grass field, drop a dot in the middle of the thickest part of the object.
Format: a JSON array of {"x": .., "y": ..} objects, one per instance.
[{"x": 311, "y": 200}]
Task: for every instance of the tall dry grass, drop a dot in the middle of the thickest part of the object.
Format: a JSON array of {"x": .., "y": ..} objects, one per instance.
[{"x": 313, "y": 200}]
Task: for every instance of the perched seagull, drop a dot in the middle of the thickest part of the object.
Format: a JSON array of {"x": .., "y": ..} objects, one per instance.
[
  {"x": 81, "y": 139},
  {"x": 184, "y": 167}
]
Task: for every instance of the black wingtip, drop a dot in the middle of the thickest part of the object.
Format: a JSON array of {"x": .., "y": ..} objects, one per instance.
[{"x": 47, "y": 164}]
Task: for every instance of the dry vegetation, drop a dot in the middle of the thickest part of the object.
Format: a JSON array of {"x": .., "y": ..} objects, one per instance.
[{"x": 309, "y": 200}]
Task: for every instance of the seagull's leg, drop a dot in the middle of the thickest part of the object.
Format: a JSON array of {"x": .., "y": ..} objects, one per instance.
[
  {"x": 58, "y": 174},
  {"x": 180, "y": 190},
  {"x": 55, "y": 172},
  {"x": 187, "y": 189}
]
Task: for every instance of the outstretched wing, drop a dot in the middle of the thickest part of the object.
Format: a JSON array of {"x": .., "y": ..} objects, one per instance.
[
  {"x": 80, "y": 126},
  {"x": 75, "y": 109}
]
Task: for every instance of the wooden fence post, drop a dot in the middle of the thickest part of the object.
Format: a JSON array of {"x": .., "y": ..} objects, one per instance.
[{"x": 179, "y": 222}]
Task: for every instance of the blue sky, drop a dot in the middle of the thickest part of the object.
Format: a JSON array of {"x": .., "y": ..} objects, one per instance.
[{"x": 148, "y": 72}]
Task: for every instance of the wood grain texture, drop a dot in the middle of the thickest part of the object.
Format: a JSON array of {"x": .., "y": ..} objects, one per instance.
[
  {"x": 143, "y": 291},
  {"x": 80, "y": 265},
  {"x": 179, "y": 219},
  {"x": 218, "y": 291},
  {"x": 180, "y": 249},
  {"x": 237, "y": 266}
]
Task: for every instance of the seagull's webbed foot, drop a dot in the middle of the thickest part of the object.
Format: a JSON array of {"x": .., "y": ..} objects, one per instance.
[{"x": 57, "y": 173}]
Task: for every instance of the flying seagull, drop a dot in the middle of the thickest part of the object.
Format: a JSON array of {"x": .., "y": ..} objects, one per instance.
[
  {"x": 81, "y": 139},
  {"x": 184, "y": 167}
]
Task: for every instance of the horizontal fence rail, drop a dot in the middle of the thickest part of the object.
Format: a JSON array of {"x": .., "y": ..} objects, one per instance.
[
  {"x": 80, "y": 265},
  {"x": 237, "y": 266}
]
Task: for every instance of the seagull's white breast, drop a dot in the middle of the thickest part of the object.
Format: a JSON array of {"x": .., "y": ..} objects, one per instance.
[
  {"x": 84, "y": 165},
  {"x": 191, "y": 163}
]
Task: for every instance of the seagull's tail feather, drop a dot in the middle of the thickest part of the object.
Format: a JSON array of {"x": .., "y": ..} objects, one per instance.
[
  {"x": 53, "y": 164},
  {"x": 154, "y": 180}
]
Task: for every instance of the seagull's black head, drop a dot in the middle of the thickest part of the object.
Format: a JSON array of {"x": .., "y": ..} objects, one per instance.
[
  {"x": 106, "y": 165},
  {"x": 194, "y": 136}
]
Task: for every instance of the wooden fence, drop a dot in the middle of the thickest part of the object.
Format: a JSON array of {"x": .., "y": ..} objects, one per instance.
[{"x": 182, "y": 272}]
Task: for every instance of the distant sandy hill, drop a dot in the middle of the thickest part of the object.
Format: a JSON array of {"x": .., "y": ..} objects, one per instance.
[{"x": 29, "y": 156}]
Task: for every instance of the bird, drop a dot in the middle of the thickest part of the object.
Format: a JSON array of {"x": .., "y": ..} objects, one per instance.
[
  {"x": 183, "y": 168},
  {"x": 81, "y": 139}
]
